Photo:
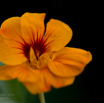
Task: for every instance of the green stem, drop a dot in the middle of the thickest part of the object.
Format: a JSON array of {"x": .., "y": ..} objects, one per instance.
[{"x": 41, "y": 97}]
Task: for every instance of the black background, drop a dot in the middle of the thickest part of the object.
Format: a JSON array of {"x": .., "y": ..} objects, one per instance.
[{"x": 79, "y": 16}]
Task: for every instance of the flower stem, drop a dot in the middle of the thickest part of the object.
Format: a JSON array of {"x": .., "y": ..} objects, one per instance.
[{"x": 41, "y": 97}]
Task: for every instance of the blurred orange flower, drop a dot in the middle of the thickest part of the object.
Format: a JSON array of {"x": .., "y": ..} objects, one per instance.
[{"x": 36, "y": 57}]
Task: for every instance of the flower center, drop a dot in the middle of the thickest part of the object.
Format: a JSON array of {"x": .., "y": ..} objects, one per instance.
[{"x": 36, "y": 61}]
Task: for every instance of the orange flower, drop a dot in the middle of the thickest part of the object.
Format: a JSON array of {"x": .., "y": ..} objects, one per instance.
[{"x": 36, "y": 57}]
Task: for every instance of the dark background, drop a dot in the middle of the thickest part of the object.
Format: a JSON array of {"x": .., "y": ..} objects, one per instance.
[{"x": 79, "y": 16}]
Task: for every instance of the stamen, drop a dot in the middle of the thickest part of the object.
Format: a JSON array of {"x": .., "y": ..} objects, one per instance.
[{"x": 32, "y": 55}]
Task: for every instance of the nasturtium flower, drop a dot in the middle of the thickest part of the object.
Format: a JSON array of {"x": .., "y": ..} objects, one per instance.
[{"x": 37, "y": 57}]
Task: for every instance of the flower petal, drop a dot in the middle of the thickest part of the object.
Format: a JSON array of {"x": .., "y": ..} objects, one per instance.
[
  {"x": 11, "y": 52},
  {"x": 28, "y": 74},
  {"x": 57, "y": 35},
  {"x": 47, "y": 79},
  {"x": 40, "y": 86},
  {"x": 8, "y": 72},
  {"x": 32, "y": 26},
  {"x": 69, "y": 61},
  {"x": 11, "y": 28},
  {"x": 57, "y": 81},
  {"x": 23, "y": 73},
  {"x": 11, "y": 56}
]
